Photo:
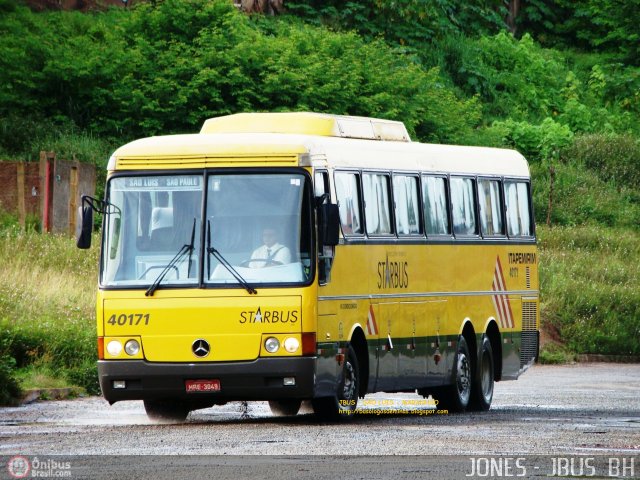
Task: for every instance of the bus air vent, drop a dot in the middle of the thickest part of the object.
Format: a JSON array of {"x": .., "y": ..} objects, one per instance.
[
  {"x": 529, "y": 343},
  {"x": 307, "y": 123}
]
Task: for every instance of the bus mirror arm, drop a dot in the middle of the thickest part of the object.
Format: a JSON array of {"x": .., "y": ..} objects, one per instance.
[{"x": 84, "y": 227}]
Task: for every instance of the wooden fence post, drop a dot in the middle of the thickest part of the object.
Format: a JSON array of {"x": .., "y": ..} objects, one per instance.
[
  {"x": 22, "y": 211},
  {"x": 73, "y": 196},
  {"x": 47, "y": 160}
]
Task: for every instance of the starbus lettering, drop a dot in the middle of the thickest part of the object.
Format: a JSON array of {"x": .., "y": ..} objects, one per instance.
[
  {"x": 393, "y": 274},
  {"x": 268, "y": 316}
]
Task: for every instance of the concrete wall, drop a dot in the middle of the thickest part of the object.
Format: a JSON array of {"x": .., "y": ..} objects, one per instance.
[
  {"x": 24, "y": 187},
  {"x": 70, "y": 181},
  {"x": 20, "y": 188}
]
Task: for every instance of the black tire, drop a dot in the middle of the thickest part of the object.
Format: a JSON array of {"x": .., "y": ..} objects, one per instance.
[
  {"x": 456, "y": 397},
  {"x": 166, "y": 411},
  {"x": 482, "y": 387},
  {"x": 285, "y": 408},
  {"x": 343, "y": 405}
]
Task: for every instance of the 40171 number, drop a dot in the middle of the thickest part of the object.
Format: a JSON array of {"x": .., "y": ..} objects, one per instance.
[{"x": 129, "y": 319}]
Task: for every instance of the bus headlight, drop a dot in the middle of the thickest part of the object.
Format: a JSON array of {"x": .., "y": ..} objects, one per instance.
[
  {"x": 271, "y": 344},
  {"x": 132, "y": 347},
  {"x": 291, "y": 344},
  {"x": 114, "y": 348}
]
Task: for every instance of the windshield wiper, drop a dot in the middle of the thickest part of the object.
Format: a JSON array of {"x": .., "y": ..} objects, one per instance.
[
  {"x": 187, "y": 248},
  {"x": 211, "y": 250}
]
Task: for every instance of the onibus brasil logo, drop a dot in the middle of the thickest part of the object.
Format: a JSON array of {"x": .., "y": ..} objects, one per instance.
[{"x": 20, "y": 467}]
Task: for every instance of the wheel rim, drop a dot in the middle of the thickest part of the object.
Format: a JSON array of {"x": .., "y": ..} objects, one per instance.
[
  {"x": 486, "y": 378},
  {"x": 349, "y": 388},
  {"x": 463, "y": 380}
]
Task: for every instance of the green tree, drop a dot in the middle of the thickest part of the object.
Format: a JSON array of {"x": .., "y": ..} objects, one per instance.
[
  {"x": 600, "y": 25},
  {"x": 408, "y": 23}
]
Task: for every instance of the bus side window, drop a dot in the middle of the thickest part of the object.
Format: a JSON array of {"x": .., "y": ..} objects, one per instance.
[
  {"x": 434, "y": 194},
  {"x": 490, "y": 207},
  {"x": 518, "y": 209},
  {"x": 376, "y": 203},
  {"x": 348, "y": 193},
  {"x": 406, "y": 200},
  {"x": 463, "y": 206}
]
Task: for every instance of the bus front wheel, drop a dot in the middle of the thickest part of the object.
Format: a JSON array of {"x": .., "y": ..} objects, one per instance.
[
  {"x": 343, "y": 405},
  {"x": 166, "y": 410}
]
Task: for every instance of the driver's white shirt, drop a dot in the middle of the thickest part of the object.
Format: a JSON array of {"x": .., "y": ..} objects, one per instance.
[{"x": 276, "y": 252}]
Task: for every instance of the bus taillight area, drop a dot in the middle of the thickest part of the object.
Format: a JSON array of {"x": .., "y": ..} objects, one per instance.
[{"x": 260, "y": 379}]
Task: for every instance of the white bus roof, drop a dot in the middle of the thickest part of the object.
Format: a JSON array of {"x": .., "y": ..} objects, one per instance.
[{"x": 312, "y": 139}]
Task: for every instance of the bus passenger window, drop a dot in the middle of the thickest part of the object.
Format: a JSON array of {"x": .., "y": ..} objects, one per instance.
[
  {"x": 518, "y": 210},
  {"x": 490, "y": 207},
  {"x": 463, "y": 206},
  {"x": 376, "y": 203},
  {"x": 347, "y": 192},
  {"x": 434, "y": 193},
  {"x": 405, "y": 191}
]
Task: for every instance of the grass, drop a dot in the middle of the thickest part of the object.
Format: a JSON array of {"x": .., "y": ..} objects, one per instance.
[
  {"x": 553, "y": 353},
  {"x": 35, "y": 377},
  {"x": 590, "y": 282},
  {"x": 581, "y": 197},
  {"x": 47, "y": 305},
  {"x": 46, "y": 273}
]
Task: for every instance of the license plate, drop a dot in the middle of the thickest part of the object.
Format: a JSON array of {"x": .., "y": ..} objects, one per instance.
[{"x": 200, "y": 386}]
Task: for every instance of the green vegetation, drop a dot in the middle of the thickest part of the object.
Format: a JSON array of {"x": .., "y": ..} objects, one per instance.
[
  {"x": 590, "y": 297},
  {"x": 564, "y": 90},
  {"x": 47, "y": 300},
  {"x": 552, "y": 353},
  {"x": 174, "y": 64}
]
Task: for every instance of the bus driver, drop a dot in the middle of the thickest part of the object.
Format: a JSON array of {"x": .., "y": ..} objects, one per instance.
[{"x": 271, "y": 252}]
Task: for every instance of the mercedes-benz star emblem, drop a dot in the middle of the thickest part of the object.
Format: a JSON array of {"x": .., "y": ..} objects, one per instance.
[{"x": 201, "y": 348}]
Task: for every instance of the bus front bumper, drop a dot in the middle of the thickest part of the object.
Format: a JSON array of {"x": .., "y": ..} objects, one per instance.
[{"x": 261, "y": 379}]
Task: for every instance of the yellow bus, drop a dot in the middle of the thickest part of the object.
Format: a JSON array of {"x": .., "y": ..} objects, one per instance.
[{"x": 299, "y": 256}]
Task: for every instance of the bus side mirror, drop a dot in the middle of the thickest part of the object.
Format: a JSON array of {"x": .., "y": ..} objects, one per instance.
[
  {"x": 328, "y": 224},
  {"x": 85, "y": 226}
]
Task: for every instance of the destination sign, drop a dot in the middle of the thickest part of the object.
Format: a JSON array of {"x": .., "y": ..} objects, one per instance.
[{"x": 164, "y": 182}]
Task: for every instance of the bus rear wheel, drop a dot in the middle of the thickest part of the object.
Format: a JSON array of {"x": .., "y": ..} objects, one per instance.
[
  {"x": 343, "y": 405},
  {"x": 166, "y": 410},
  {"x": 482, "y": 389},
  {"x": 456, "y": 397},
  {"x": 285, "y": 408}
]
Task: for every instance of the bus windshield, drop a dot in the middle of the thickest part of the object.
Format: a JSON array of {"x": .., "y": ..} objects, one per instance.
[
  {"x": 260, "y": 225},
  {"x": 257, "y": 224}
]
